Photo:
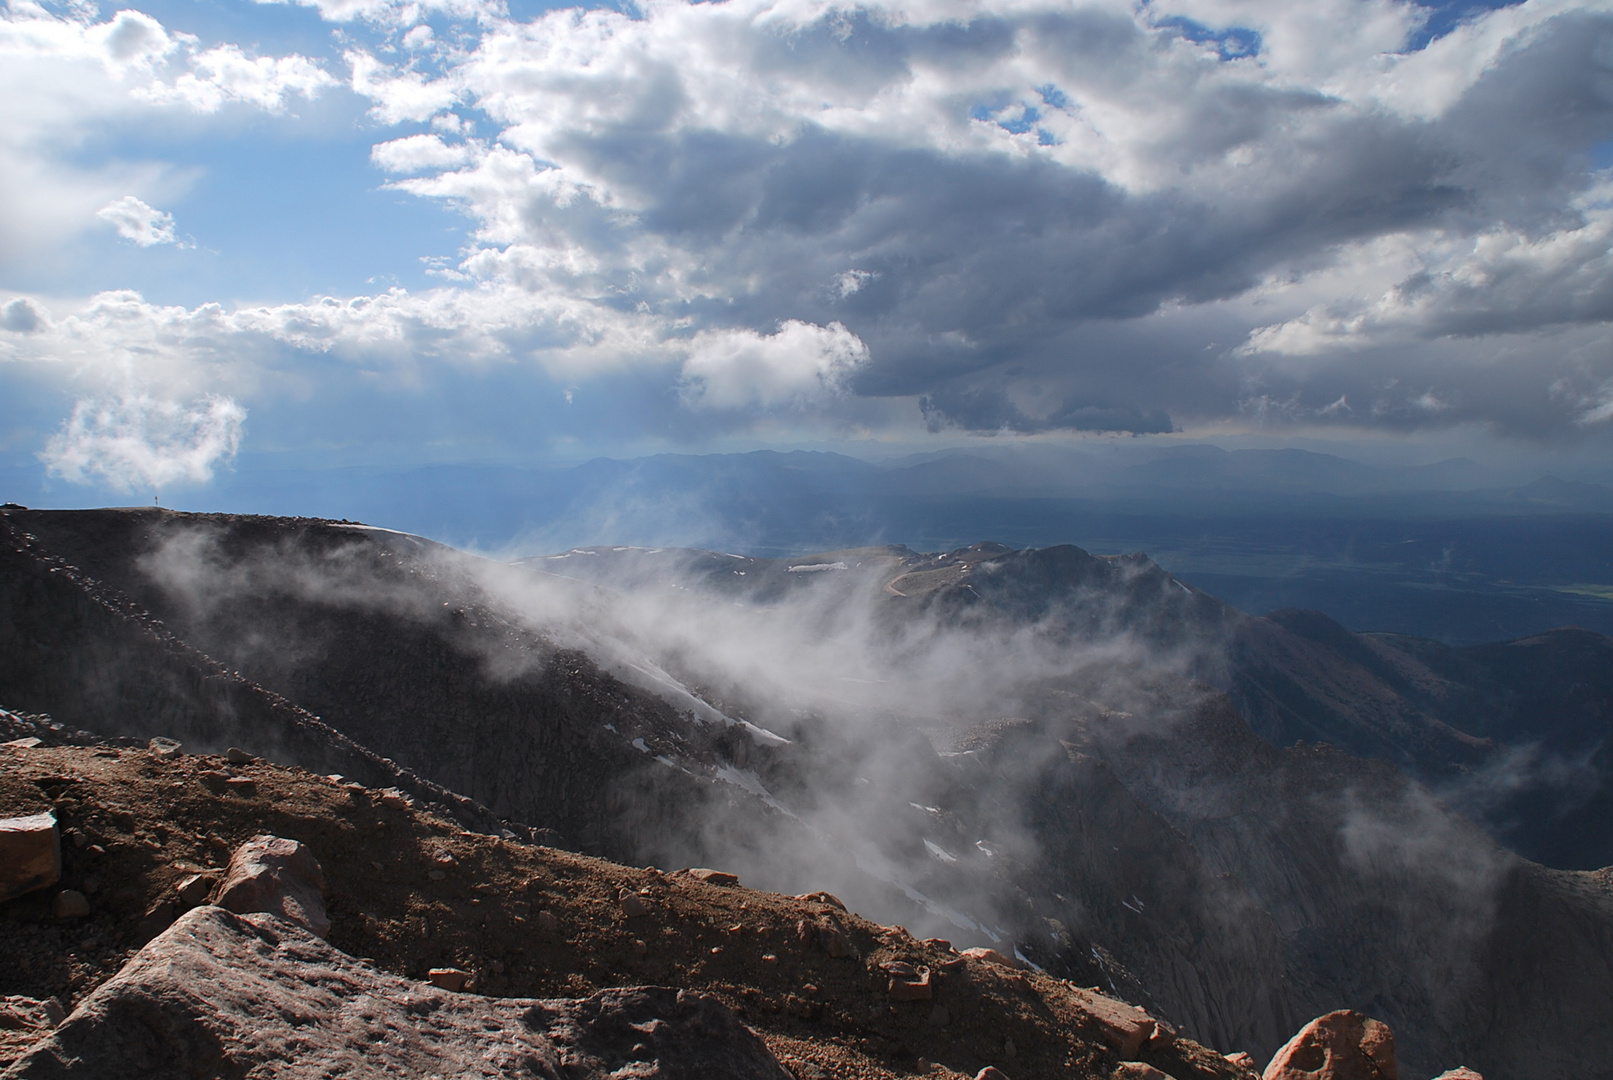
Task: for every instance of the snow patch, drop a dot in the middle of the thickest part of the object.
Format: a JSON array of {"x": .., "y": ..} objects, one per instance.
[
  {"x": 1027, "y": 961},
  {"x": 373, "y": 528},
  {"x": 749, "y": 781}
]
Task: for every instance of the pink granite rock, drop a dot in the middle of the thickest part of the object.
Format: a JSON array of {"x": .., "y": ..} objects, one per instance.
[
  {"x": 1124, "y": 1027},
  {"x": 30, "y": 854},
  {"x": 219, "y": 994},
  {"x": 278, "y": 876},
  {"x": 1342, "y": 1045}
]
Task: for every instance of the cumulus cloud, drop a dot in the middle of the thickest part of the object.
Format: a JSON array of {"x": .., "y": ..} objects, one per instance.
[
  {"x": 226, "y": 75},
  {"x": 179, "y": 349},
  {"x": 148, "y": 63},
  {"x": 138, "y": 442},
  {"x": 1598, "y": 410},
  {"x": 399, "y": 95},
  {"x": 1502, "y": 280},
  {"x": 132, "y": 39},
  {"x": 799, "y": 365},
  {"x": 1012, "y": 184},
  {"x": 22, "y": 316},
  {"x": 137, "y": 222},
  {"x": 417, "y": 153},
  {"x": 1028, "y": 216}
]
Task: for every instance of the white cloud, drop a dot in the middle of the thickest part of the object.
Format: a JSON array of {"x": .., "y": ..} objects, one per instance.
[
  {"x": 137, "y": 222},
  {"x": 23, "y": 316},
  {"x": 999, "y": 175},
  {"x": 132, "y": 39},
  {"x": 853, "y": 280},
  {"x": 138, "y": 442},
  {"x": 417, "y": 153},
  {"x": 1020, "y": 215},
  {"x": 118, "y": 337},
  {"x": 150, "y": 64},
  {"x": 68, "y": 81},
  {"x": 801, "y": 364},
  {"x": 1503, "y": 280},
  {"x": 1598, "y": 410},
  {"x": 225, "y": 75},
  {"x": 399, "y": 95},
  {"x": 399, "y": 12}
]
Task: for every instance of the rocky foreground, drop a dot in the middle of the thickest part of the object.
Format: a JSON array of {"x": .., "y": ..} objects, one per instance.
[{"x": 225, "y": 916}]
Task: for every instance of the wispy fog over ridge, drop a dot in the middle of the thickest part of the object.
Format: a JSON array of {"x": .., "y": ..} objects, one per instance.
[{"x": 471, "y": 234}]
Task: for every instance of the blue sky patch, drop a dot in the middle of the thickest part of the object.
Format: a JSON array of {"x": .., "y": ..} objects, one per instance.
[
  {"x": 1448, "y": 15},
  {"x": 1232, "y": 43},
  {"x": 1053, "y": 97}
]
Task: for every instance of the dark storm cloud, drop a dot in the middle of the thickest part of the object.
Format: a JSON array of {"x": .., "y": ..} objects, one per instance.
[{"x": 975, "y": 199}]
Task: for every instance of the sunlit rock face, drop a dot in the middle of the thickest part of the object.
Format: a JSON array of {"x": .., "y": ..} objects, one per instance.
[{"x": 221, "y": 994}]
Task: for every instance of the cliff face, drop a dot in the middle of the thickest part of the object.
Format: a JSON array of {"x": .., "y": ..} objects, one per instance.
[{"x": 1130, "y": 830}]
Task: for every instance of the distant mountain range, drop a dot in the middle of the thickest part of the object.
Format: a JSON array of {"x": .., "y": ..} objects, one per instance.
[
  {"x": 771, "y": 502},
  {"x": 1452, "y": 550}
]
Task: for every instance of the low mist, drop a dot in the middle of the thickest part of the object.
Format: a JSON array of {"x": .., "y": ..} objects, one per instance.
[{"x": 1020, "y": 749}]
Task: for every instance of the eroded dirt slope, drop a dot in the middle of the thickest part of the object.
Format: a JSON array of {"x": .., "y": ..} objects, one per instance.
[{"x": 412, "y": 890}]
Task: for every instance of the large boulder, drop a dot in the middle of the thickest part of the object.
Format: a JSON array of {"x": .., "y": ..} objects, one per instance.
[
  {"x": 226, "y": 995},
  {"x": 277, "y": 876},
  {"x": 30, "y": 854},
  {"x": 1342, "y": 1045}
]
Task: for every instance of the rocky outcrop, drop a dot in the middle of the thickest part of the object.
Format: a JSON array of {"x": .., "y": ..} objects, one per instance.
[
  {"x": 1342, "y": 1045},
  {"x": 1345, "y": 1045},
  {"x": 516, "y": 920},
  {"x": 226, "y": 995},
  {"x": 278, "y": 876}
]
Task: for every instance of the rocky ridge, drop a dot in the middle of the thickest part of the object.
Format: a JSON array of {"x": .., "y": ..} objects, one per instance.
[{"x": 416, "y": 896}]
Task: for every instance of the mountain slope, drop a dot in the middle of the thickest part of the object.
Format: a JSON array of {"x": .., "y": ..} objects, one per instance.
[
  {"x": 411, "y": 890},
  {"x": 998, "y": 747}
]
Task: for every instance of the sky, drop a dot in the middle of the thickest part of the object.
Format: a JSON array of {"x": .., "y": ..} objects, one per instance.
[{"x": 386, "y": 232}]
